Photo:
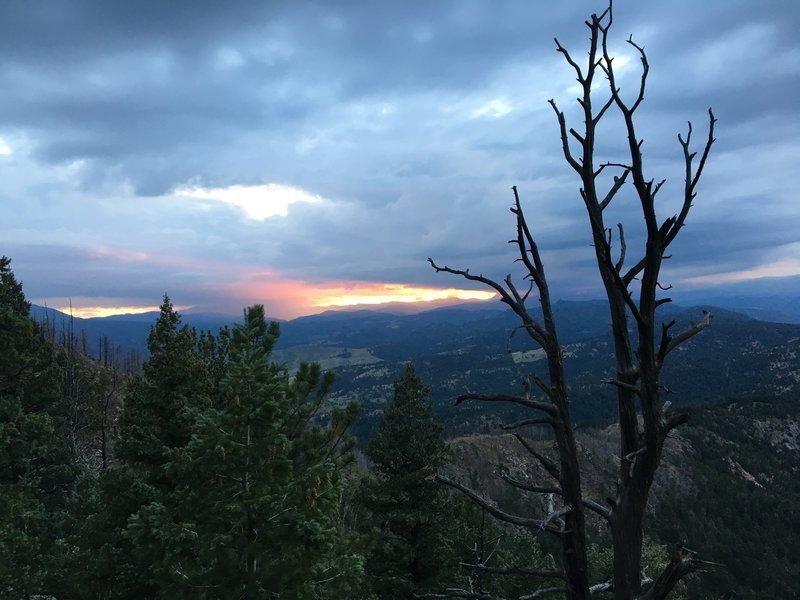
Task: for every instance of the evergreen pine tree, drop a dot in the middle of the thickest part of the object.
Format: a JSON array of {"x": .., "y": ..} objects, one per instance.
[
  {"x": 155, "y": 420},
  {"x": 37, "y": 461},
  {"x": 407, "y": 507},
  {"x": 255, "y": 513},
  {"x": 162, "y": 405}
]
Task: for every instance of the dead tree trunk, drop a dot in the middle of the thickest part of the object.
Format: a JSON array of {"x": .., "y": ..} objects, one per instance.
[{"x": 644, "y": 421}]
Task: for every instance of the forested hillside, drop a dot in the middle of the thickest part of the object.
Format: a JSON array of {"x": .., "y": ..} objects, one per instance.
[
  {"x": 727, "y": 490},
  {"x": 210, "y": 474},
  {"x": 180, "y": 480},
  {"x": 469, "y": 349}
]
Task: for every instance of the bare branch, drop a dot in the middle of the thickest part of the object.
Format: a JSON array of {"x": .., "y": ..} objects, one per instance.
[
  {"x": 544, "y": 336},
  {"x": 709, "y": 142},
  {"x": 544, "y": 387},
  {"x": 548, "y": 464},
  {"x": 633, "y": 272},
  {"x": 510, "y": 283},
  {"x": 603, "y": 14},
  {"x": 645, "y": 71},
  {"x": 521, "y": 400},
  {"x": 622, "y": 248},
  {"x": 597, "y": 508},
  {"x": 659, "y": 185},
  {"x": 675, "y": 421},
  {"x": 526, "y": 422},
  {"x": 577, "y": 136},
  {"x": 524, "y": 236},
  {"x": 622, "y": 286},
  {"x": 555, "y": 516},
  {"x": 545, "y": 592},
  {"x": 562, "y": 123},
  {"x": 534, "y": 329},
  {"x": 665, "y": 340},
  {"x": 526, "y": 487},
  {"x": 603, "y": 110},
  {"x": 632, "y": 455},
  {"x": 572, "y": 63},
  {"x": 661, "y": 301},
  {"x": 618, "y": 183},
  {"x": 680, "y": 565},
  {"x": 606, "y": 586},
  {"x": 515, "y": 570},
  {"x": 623, "y": 385},
  {"x": 505, "y": 297},
  {"x": 689, "y": 332},
  {"x": 691, "y": 178},
  {"x": 602, "y": 167},
  {"x": 496, "y": 512},
  {"x": 458, "y": 593}
]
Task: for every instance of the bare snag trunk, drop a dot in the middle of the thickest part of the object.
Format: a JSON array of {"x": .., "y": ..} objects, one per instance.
[{"x": 644, "y": 420}]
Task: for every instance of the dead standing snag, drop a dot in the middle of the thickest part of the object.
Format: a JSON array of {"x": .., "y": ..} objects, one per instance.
[{"x": 644, "y": 421}]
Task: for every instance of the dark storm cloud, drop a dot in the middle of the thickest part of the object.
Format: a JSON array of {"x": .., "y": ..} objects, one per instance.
[{"x": 411, "y": 120}]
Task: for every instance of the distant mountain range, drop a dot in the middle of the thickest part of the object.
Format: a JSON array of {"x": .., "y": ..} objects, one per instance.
[
  {"x": 767, "y": 298},
  {"x": 476, "y": 348}
]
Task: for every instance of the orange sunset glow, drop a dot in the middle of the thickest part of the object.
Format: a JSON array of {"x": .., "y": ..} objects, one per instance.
[
  {"x": 87, "y": 312},
  {"x": 290, "y": 298},
  {"x": 87, "y": 307},
  {"x": 283, "y": 298},
  {"x": 383, "y": 294}
]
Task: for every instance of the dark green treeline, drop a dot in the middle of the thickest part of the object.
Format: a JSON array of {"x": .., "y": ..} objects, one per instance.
[{"x": 212, "y": 473}]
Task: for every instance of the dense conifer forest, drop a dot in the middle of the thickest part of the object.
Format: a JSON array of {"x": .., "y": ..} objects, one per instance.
[{"x": 214, "y": 472}]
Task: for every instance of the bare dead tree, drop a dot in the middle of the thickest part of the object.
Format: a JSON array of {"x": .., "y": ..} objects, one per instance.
[{"x": 644, "y": 421}]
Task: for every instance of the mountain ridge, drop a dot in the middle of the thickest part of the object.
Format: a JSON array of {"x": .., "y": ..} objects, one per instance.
[{"x": 485, "y": 351}]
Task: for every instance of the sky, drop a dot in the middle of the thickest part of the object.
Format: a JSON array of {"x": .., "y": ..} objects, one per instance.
[{"x": 308, "y": 155}]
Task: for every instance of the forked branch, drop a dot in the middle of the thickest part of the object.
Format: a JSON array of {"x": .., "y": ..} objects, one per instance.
[
  {"x": 498, "y": 513},
  {"x": 681, "y": 564},
  {"x": 692, "y": 177},
  {"x": 508, "y": 296},
  {"x": 562, "y": 123},
  {"x": 669, "y": 343}
]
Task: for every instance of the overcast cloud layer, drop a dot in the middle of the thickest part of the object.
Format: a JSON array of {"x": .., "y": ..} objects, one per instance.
[{"x": 381, "y": 133}]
